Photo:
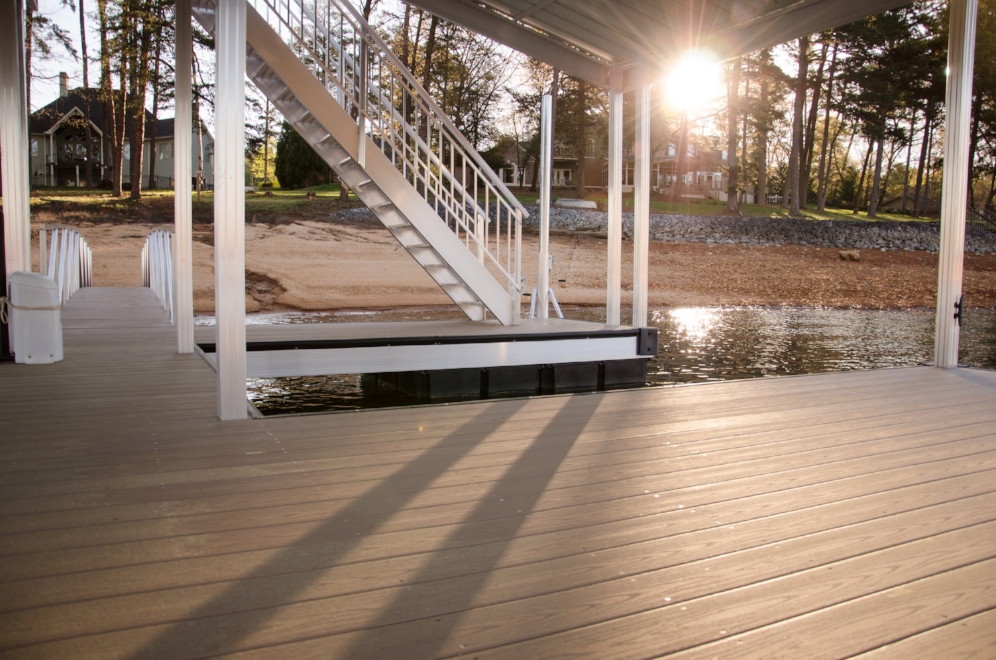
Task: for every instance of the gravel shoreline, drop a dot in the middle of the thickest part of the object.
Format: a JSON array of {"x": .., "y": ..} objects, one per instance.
[{"x": 733, "y": 230}]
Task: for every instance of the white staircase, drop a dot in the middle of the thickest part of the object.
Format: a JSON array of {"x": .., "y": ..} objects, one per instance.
[{"x": 361, "y": 109}]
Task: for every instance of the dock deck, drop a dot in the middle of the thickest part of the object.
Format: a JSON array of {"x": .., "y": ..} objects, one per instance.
[{"x": 822, "y": 516}]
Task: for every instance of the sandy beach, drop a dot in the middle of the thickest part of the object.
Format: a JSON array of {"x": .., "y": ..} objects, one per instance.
[{"x": 321, "y": 264}]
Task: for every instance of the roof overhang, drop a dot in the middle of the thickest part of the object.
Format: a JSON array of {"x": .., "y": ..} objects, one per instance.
[{"x": 585, "y": 38}]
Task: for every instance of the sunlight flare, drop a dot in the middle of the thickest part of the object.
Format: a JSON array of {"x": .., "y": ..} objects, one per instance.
[{"x": 694, "y": 81}]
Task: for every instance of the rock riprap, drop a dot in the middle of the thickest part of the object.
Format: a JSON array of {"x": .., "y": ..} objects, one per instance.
[{"x": 731, "y": 230}]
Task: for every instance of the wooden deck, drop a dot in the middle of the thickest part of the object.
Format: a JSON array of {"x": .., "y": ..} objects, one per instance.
[{"x": 808, "y": 517}]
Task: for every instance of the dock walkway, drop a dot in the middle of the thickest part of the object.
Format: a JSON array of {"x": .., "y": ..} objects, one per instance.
[{"x": 821, "y": 516}]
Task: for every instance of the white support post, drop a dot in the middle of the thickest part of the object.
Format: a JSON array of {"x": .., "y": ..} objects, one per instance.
[
  {"x": 543, "y": 261},
  {"x": 958, "y": 104},
  {"x": 183, "y": 269},
  {"x": 613, "y": 275},
  {"x": 229, "y": 208},
  {"x": 14, "y": 167},
  {"x": 641, "y": 208}
]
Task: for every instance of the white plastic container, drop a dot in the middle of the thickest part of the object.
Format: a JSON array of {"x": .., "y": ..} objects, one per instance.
[{"x": 35, "y": 319}]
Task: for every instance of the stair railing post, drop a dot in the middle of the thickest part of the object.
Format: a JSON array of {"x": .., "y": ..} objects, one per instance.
[
  {"x": 517, "y": 295},
  {"x": 42, "y": 250},
  {"x": 543, "y": 265},
  {"x": 361, "y": 118}
]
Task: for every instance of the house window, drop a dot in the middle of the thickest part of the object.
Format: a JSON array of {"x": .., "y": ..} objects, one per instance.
[
  {"x": 165, "y": 150},
  {"x": 127, "y": 151},
  {"x": 628, "y": 174},
  {"x": 34, "y": 147}
]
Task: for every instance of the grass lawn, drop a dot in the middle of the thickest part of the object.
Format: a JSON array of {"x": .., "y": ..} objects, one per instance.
[
  {"x": 282, "y": 201},
  {"x": 712, "y": 207},
  {"x": 296, "y": 202}
]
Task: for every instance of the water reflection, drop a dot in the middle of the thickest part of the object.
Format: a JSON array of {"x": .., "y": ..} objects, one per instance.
[{"x": 697, "y": 344}]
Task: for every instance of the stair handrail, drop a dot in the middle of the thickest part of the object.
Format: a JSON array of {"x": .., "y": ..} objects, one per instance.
[
  {"x": 981, "y": 218},
  {"x": 65, "y": 256},
  {"x": 157, "y": 267},
  {"x": 360, "y": 25},
  {"x": 451, "y": 193}
]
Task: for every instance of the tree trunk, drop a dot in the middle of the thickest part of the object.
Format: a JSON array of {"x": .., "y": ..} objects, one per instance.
[
  {"x": 88, "y": 131},
  {"x": 992, "y": 188},
  {"x": 554, "y": 95},
  {"x": 199, "y": 179},
  {"x": 139, "y": 84},
  {"x": 107, "y": 96},
  {"x": 909, "y": 154},
  {"x": 926, "y": 181},
  {"x": 266, "y": 144},
  {"x": 29, "y": 24},
  {"x": 153, "y": 183},
  {"x": 762, "y": 150},
  {"x": 800, "y": 106},
  {"x": 859, "y": 193},
  {"x": 743, "y": 131},
  {"x": 976, "y": 111},
  {"x": 806, "y": 160},
  {"x": 679, "y": 173},
  {"x": 876, "y": 180},
  {"x": 823, "y": 174},
  {"x": 582, "y": 135},
  {"x": 732, "y": 106},
  {"x": 922, "y": 162}
]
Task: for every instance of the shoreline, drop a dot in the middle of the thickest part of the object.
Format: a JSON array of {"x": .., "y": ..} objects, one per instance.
[{"x": 329, "y": 265}]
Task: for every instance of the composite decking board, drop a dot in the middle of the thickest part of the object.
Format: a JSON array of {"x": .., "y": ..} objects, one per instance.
[
  {"x": 623, "y": 472},
  {"x": 971, "y": 637},
  {"x": 362, "y": 576},
  {"x": 300, "y": 488},
  {"x": 877, "y": 618},
  {"x": 312, "y": 476},
  {"x": 349, "y": 608},
  {"x": 377, "y": 543},
  {"x": 794, "y": 461},
  {"x": 35, "y": 471},
  {"x": 215, "y": 448},
  {"x": 279, "y": 509}
]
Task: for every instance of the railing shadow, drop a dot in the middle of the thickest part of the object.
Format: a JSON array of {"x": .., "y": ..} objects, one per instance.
[
  {"x": 538, "y": 463},
  {"x": 298, "y": 566}
]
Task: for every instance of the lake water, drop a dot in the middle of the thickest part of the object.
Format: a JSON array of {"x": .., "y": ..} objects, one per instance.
[{"x": 697, "y": 345}]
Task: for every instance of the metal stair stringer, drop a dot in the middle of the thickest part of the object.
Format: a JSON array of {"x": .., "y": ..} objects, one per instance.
[{"x": 310, "y": 108}]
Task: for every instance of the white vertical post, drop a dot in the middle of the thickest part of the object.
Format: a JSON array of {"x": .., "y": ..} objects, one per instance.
[
  {"x": 543, "y": 261},
  {"x": 958, "y": 104},
  {"x": 517, "y": 299},
  {"x": 14, "y": 167},
  {"x": 641, "y": 207},
  {"x": 613, "y": 275},
  {"x": 182, "y": 147},
  {"x": 229, "y": 208},
  {"x": 42, "y": 250}
]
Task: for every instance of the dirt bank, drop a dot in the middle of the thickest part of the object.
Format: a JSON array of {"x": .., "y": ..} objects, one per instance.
[{"x": 321, "y": 265}]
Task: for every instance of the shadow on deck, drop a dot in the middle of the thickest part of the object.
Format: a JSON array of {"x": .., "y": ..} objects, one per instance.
[{"x": 808, "y": 517}]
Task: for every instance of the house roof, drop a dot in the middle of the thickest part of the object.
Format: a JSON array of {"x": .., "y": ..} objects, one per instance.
[
  {"x": 586, "y": 37},
  {"x": 43, "y": 119}
]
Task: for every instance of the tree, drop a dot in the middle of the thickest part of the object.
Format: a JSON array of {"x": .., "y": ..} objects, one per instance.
[
  {"x": 732, "y": 108},
  {"x": 296, "y": 164}
]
